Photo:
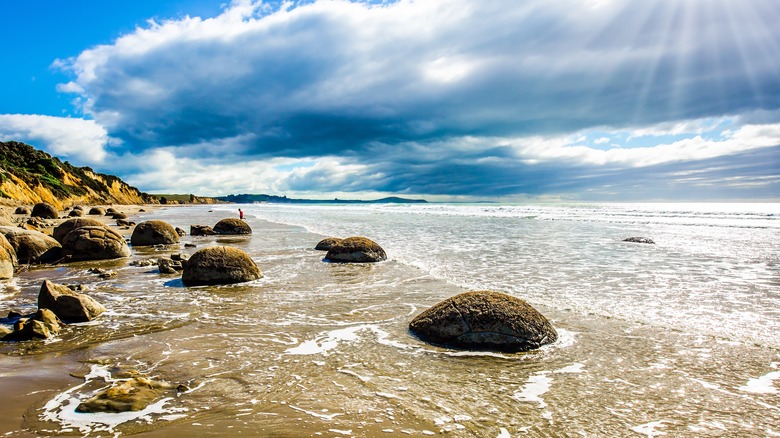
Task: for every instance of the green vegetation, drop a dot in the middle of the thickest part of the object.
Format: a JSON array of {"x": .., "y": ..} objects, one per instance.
[{"x": 36, "y": 167}]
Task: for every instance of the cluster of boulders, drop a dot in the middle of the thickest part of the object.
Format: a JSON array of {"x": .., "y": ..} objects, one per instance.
[
  {"x": 481, "y": 320},
  {"x": 57, "y": 305}
]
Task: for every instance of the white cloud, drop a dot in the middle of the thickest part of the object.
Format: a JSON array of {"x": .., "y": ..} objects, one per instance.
[{"x": 79, "y": 139}]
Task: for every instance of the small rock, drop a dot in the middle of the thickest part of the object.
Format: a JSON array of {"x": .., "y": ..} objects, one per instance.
[
  {"x": 180, "y": 232},
  {"x": 143, "y": 263},
  {"x": 129, "y": 395},
  {"x": 44, "y": 324},
  {"x": 201, "y": 230},
  {"x": 102, "y": 273},
  {"x": 639, "y": 240},
  {"x": 190, "y": 245},
  {"x": 169, "y": 266}
]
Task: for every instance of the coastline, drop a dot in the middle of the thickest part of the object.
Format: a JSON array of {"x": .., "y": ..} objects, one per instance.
[{"x": 315, "y": 347}]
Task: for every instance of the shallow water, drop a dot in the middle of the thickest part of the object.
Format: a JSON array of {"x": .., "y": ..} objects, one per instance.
[{"x": 677, "y": 338}]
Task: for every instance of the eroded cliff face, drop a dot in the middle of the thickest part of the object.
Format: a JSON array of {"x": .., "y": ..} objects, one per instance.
[{"x": 29, "y": 176}]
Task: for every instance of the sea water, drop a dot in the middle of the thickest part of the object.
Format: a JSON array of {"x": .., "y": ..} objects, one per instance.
[{"x": 679, "y": 337}]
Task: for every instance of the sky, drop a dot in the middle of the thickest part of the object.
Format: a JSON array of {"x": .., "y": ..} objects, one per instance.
[{"x": 449, "y": 100}]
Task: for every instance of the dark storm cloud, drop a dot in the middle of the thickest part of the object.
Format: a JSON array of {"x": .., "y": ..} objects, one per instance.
[{"x": 361, "y": 82}]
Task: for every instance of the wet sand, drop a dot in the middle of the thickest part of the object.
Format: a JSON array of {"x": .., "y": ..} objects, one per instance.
[{"x": 321, "y": 349}]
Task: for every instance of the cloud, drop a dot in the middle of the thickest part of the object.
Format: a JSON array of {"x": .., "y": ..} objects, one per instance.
[
  {"x": 448, "y": 97},
  {"x": 329, "y": 76},
  {"x": 81, "y": 139}
]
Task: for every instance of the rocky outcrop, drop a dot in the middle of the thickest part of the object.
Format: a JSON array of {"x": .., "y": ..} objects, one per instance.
[
  {"x": 95, "y": 243},
  {"x": 356, "y": 250},
  {"x": 7, "y": 259},
  {"x": 484, "y": 320},
  {"x": 154, "y": 232},
  {"x": 129, "y": 395},
  {"x": 62, "y": 230},
  {"x": 29, "y": 176},
  {"x": 639, "y": 240},
  {"x": 327, "y": 243},
  {"x": 219, "y": 265},
  {"x": 68, "y": 305},
  {"x": 169, "y": 266},
  {"x": 232, "y": 226},
  {"x": 32, "y": 246},
  {"x": 201, "y": 230},
  {"x": 43, "y": 324},
  {"x": 45, "y": 210}
]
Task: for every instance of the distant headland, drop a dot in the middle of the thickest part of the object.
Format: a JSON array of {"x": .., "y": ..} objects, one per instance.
[{"x": 272, "y": 199}]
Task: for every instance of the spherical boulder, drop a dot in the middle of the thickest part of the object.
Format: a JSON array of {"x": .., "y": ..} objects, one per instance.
[
  {"x": 154, "y": 232},
  {"x": 95, "y": 243},
  {"x": 232, "y": 226},
  {"x": 45, "y": 210},
  {"x": 484, "y": 320},
  {"x": 219, "y": 265},
  {"x": 22, "y": 210},
  {"x": 96, "y": 211},
  {"x": 7, "y": 259},
  {"x": 68, "y": 305},
  {"x": 327, "y": 243},
  {"x": 62, "y": 230},
  {"x": 76, "y": 213},
  {"x": 356, "y": 250},
  {"x": 32, "y": 246}
]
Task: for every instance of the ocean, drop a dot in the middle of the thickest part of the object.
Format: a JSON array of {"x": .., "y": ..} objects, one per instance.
[{"x": 677, "y": 338}]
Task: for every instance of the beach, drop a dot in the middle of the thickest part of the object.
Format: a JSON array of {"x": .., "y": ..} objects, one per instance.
[{"x": 679, "y": 337}]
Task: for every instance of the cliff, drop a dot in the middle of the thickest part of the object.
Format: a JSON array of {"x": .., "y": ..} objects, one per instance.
[{"x": 29, "y": 176}]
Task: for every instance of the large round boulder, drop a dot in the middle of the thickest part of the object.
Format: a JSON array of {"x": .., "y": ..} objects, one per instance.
[
  {"x": 76, "y": 213},
  {"x": 68, "y": 305},
  {"x": 154, "y": 232},
  {"x": 95, "y": 243},
  {"x": 356, "y": 250},
  {"x": 7, "y": 259},
  {"x": 484, "y": 320},
  {"x": 62, "y": 230},
  {"x": 219, "y": 265},
  {"x": 97, "y": 211},
  {"x": 32, "y": 246},
  {"x": 232, "y": 226},
  {"x": 45, "y": 210},
  {"x": 327, "y": 243},
  {"x": 22, "y": 210}
]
